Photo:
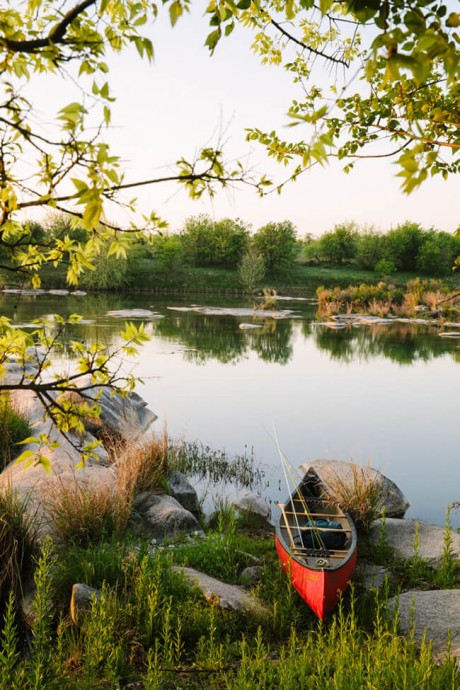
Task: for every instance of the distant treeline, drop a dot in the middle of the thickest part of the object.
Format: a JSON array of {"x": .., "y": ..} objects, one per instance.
[{"x": 274, "y": 248}]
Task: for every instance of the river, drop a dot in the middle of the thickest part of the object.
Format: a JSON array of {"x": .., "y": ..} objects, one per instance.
[{"x": 385, "y": 395}]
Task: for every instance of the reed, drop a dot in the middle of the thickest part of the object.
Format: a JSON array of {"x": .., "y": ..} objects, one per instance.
[{"x": 361, "y": 497}]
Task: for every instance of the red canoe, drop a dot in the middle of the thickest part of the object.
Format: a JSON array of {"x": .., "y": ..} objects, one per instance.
[{"x": 316, "y": 542}]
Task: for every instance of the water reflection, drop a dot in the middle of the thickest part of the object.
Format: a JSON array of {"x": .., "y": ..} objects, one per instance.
[{"x": 219, "y": 337}]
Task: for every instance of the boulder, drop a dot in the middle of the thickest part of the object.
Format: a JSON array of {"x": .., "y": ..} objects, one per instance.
[
  {"x": 252, "y": 503},
  {"x": 232, "y": 597},
  {"x": 183, "y": 491},
  {"x": 436, "y": 613},
  {"x": 401, "y": 539},
  {"x": 251, "y": 575},
  {"x": 372, "y": 576},
  {"x": 81, "y": 601},
  {"x": 128, "y": 416},
  {"x": 162, "y": 517},
  {"x": 337, "y": 472}
]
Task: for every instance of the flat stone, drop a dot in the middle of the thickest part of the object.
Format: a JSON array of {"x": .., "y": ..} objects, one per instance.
[
  {"x": 232, "y": 597},
  {"x": 162, "y": 516},
  {"x": 436, "y": 613},
  {"x": 401, "y": 539},
  {"x": 336, "y": 472}
]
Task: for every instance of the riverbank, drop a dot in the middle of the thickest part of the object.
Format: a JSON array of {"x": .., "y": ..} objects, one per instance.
[{"x": 299, "y": 280}]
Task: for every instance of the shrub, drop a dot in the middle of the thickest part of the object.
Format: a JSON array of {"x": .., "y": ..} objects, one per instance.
[
  {"x": 168, "y": 253},
  {"x": 437, "y": 254},
  {"x": 251, "y": 269},
  {"x": 385, "y": 267},
  {"x": 369, "y": 249},
  {"x": 402, "y": 245},
  {"x": 339, "y": 245},
  {"x": 277, "y": 244},
  {"x": 214, "y": 243}
]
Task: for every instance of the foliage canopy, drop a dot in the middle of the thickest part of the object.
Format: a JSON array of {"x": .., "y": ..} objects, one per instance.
[{"x": 406, "y": 107}]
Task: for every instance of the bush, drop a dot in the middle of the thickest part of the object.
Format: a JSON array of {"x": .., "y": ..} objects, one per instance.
[
  {"x": 85, "y": 515},
  {"x": 339, "y": 245},
  {"x": 277, "y": 244},
  {"x": 437, "y": 254},
  {"x": 369, "y": 249},
  {"x": 385, "y": 267},
  {"x": 168, "y": 253},
  {"x": 251, "y": 269},
  {"x": 214, "y": 243},
  {"x": 402, "y": 245}
]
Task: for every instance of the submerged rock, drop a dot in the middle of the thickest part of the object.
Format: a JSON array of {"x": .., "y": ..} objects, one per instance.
[{"x": 337, "y": 472}]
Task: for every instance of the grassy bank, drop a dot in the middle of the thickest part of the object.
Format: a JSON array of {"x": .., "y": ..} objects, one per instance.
[
  {"x": 149, "y": 629},
  {"x": 299, "y": 280}
]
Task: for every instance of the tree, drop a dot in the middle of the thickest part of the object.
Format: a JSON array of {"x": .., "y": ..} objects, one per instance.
[
  {"x": 404, "y": 104},
  {"x": 214, "y": 243},
  {"x": 69, "y": 167},
  {"x": 277, "y": 245},
  {"x": 339, "y": 244}
]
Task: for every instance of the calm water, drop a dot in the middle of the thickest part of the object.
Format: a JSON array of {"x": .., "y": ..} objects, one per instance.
[{"x": 386, "y": 394}]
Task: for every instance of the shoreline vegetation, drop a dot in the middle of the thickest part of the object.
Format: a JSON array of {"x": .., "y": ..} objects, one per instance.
[
  {"x": 226, "y": 256},
  {"x": 148, "y": 627}
]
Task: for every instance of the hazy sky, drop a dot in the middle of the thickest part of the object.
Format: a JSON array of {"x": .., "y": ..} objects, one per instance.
[{"x": 180, "y": 102}]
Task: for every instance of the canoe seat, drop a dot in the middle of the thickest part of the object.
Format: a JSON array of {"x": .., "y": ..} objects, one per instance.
[{"x": 322, "y": 534}]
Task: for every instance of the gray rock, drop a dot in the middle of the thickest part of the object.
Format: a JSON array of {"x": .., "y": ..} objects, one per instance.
[
  {"x": 392, "y": 500},
  {"x": 251, "y": 575},
  {"x": 401, "y": 539},
  {"x": 252, "y": 503},
  {"x": 435, "y": 612},
  {"x": 81, "y": 601},
  {"x": 183, "y": 491},
  {"x": 221, "y": 594},
  {"x": 161, "y": 516},
  {"x": 128, "y": 417},
  {"x": 373, "y": 576}
]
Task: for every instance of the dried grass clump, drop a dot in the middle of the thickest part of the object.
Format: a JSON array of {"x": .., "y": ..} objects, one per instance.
[
  {"x": 86, "y": 514},
  {"x": 143, "y": 466},
  {"x": 360, "y": 498}
]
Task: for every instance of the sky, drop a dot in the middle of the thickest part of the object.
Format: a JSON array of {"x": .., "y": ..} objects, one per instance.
[{"x": 181, "y": 102}]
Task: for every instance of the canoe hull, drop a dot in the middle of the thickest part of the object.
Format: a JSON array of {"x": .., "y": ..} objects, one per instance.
[
  {"x": 320, "y": 589},
  {"x": 316, "y": 542}
]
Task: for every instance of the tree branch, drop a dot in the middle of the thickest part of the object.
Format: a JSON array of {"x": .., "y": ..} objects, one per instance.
[
  {"x": 295, "y": 40},
  {"x": 55, "y": 37}
]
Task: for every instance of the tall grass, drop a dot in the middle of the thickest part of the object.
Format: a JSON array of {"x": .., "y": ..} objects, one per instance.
[
  {"x": 18, "y": 544},
  {"x": 14, "y": 428},
  {"x": 87, "y": 514},
  {"x": 361, "y": 497}
]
